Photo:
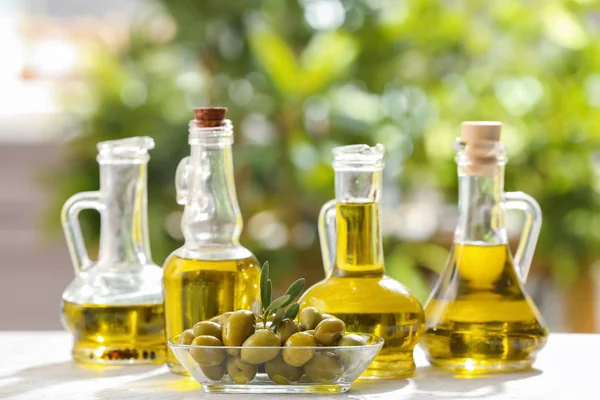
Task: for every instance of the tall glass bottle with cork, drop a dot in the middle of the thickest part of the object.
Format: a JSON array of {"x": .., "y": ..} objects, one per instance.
[
  {"x": 479, "y": 316},
  {"x": 356, "y": 288},
  {"x": 212, "y": 272}
]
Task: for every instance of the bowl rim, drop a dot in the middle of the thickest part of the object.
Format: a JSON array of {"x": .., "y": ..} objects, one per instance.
[{"x": 378, "y": 343}]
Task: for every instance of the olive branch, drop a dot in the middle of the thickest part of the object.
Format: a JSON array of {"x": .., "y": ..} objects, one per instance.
[{"x": 282, "y": 307}]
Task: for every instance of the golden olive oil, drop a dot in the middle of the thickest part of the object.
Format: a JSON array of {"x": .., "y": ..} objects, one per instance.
[
  {"x": 359, "y": 292},
  {"x": 115, "y": 334},
  {"x": 358, "y": 239},
  {"x": 479, "y": 317},
  {"x": 197, "y": 290}
]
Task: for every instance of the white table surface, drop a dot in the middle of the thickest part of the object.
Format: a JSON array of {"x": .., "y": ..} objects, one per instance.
[{"x": 37, "y": 365}]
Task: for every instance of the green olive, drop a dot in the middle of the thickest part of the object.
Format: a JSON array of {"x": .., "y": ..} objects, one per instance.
[
  {"x": 239, "y": 371},
  {"x": 329, "y": 331},
  {"x": 281, "y": 373},
  {"x": 346, "y": 356},
  {"x": 324, "y": 367},
  {"x": 352, "y": 339},
  {"x": 262, "y": 338},
  {"x": 186, "y": 337},
  {"x": 312, "y": 332},
  {"x": 286, "y": 329},
  {"x": 207, "y": 328},
  {"x": 299, "y": 357},
  {"x": 237, "y": 328},
  {"x": 221, "y": 319},
  {"x": 208, "y": 356},
  {"x": 309, "y": 318},
  {"x": 215, "y": 372}
]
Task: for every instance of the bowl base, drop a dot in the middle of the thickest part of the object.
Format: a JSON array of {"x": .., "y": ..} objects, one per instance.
[
  {"x": 271, "y": 388},
  {"x": 176, "y": 368}
]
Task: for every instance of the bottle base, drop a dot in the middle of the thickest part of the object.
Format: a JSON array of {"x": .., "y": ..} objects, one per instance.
[
  {"x": 474, "y": 366},
  {"x": 119, "y": 353},
  {"x": 399, "y": 365}
]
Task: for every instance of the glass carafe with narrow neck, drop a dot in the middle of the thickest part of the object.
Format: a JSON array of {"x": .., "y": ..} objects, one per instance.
[
  {"x": 212, "y": 272},
  {"x": 114, "y": 307},
  {"x": 479, "y": 317},
  {"x": 356, "y": 288}
]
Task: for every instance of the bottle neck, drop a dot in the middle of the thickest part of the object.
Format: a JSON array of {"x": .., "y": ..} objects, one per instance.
[
  {"x": 480, "y": 213},
  {"x": 359, "y": 249},
  {"x": 124, "y": 220},
  {"x": 212, "y": 216}
]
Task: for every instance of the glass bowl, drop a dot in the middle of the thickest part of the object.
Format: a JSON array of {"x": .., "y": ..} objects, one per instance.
[{"x": 343, "y": 364}]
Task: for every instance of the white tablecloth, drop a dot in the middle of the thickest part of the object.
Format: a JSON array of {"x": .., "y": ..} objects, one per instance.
[{"x": 37, "y": 365}]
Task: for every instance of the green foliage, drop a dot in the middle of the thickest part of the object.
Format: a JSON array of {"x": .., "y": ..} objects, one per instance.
[
  {"x": 402, "y": 73},
  {"x": 292, "y": 311},
  {"x": 277, "y": 306}
]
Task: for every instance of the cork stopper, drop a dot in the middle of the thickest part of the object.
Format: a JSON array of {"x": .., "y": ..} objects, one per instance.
[
  {"x": 481, "y": 140},
  {"x": 210, "y": 117},
  {"x": 476, "y": 132}
]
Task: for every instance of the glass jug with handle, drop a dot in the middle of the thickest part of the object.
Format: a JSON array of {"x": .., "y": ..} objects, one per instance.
[
  {"x": 114, "y": 306},
  {"x": 479, "y": 317},
  {"x": 356, "y": 288}
]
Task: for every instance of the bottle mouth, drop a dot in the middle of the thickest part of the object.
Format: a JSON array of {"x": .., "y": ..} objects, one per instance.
[
  {"x": 214, "y": 135},
  {"x": 481, "y": 158},
  {"x": 125, "y": 150},
  {"x": 358, "y": 157}
]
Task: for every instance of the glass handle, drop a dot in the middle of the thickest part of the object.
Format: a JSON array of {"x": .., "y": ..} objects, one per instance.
[
  {"x": 70, "y": 223},
  {"x": 182, "y": 180},
  {"x": 327, "y": 235},
  {"x": 531, "y": 229}
]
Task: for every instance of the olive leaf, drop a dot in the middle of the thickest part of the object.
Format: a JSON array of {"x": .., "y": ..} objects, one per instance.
[
  {"x": 292, "y": 311},
  {"x": 269, "y": 291},
  {"x": 277, "y": 303},
  {"x": 256, "y": 307},
  {"x": 294, "y": 290},
  {"x": 277, "y": 319},
  {"x": 264, "y": 283}
]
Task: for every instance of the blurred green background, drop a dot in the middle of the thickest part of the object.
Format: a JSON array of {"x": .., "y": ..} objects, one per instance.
[{"x": 300, "y": 77}]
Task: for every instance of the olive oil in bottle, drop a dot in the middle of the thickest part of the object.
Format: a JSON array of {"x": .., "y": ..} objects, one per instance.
[
  {"x": 479, "y": 317},
  {"x": 489, "y": 321},
  {"x": 212, "y": 272},
  {"x": 197, "y": 290},
  {"x": 357, "y": 289},
  {"x": 116, "y": 334}
]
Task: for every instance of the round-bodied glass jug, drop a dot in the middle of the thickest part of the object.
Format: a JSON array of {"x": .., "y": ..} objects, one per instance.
[
  {"x": 356, "y": 288},
  {"x": 114, "y": 306},
  {"x": 479, "y": 317}
]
